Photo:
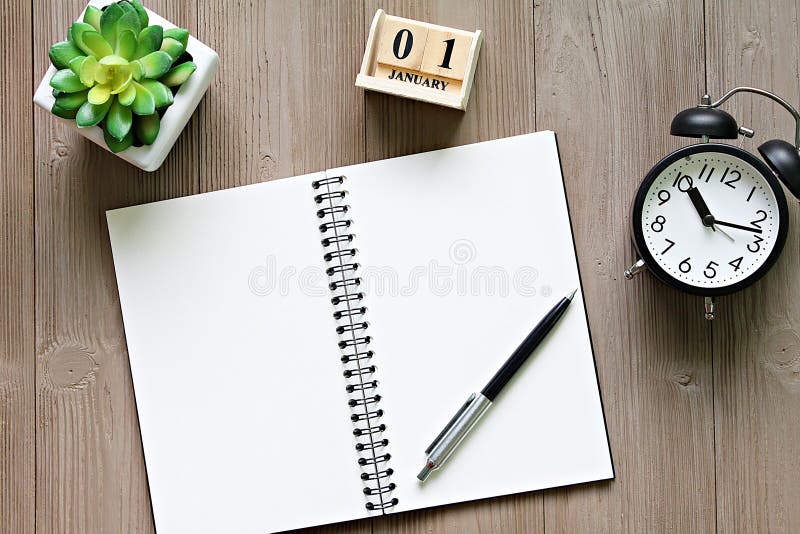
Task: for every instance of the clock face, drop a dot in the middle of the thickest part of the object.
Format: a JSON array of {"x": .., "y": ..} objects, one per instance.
[{"x": 711, "y": 219}]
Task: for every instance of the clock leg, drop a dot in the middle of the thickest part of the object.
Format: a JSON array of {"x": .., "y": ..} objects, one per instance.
[
  {"x": 635, "y": 269},
  {"x": 708, "y": 307}
]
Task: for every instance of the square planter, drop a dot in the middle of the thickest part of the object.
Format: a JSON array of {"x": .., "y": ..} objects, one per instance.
[{"x": 150, "y": 157}]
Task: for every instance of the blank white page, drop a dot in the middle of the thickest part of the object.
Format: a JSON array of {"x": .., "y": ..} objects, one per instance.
[
  {"x": 463, "y": 251},
  {"x": 239, "y": 389}
]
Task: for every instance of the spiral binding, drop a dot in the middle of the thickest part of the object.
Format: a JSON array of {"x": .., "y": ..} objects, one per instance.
[{"x": 359, "y": 371}]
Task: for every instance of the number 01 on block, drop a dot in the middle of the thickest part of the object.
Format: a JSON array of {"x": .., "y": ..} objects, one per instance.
[{"x": 418, "y": 60}]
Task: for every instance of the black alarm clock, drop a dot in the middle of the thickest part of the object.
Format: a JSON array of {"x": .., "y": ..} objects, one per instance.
[{"x": 711, "y": 218}]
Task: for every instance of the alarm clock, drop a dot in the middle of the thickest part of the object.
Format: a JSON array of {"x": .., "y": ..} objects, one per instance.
[{"x": 711, "y": 218}]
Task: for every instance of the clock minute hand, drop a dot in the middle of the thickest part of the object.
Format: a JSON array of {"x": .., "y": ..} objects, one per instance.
[
  {"x": 701, "y": 207},
  {"x": 753, "y": 229}
]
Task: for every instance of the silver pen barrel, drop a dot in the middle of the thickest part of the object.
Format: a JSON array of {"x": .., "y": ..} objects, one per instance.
[{"x": 454, "y": 433}]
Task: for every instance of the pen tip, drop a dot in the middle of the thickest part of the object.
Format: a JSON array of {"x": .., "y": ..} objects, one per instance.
[
  {"x": 425, "y": 473},
  {"x": 572, "y": 294}
]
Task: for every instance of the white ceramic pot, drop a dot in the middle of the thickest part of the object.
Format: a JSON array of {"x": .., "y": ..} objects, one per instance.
[{"x": 149, "y": 157}]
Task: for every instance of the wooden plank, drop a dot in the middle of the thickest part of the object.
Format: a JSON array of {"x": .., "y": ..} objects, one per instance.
[
  {"x": 17, "y": 369},
  {"x": 756, "y": 337},
  {"x": 502, "y": 104},
  {"x": 609, "y": 78},
  {"x": 283, "y": 102},
  {"x": 90, "y": 470}
]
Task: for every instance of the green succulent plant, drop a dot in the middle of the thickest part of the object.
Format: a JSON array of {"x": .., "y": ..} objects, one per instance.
[{"x": 119, "y": 73}]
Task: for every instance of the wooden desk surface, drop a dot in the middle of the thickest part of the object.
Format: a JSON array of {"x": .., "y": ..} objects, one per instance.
[{"x": 703, "y": 417}]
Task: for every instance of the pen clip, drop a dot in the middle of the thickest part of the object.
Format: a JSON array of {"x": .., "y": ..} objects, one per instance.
[{"x": 450, "y": 424}]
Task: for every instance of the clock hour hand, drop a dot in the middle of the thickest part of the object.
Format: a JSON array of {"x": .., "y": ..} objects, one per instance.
[
  {"x": 701, "y": 207},
  {"x": 753, "y": 229}
]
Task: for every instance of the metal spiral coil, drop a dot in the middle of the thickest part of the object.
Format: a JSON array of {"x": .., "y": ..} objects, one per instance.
[
  {"x": 369, "y": 431},
  {"x": 344, "y": 238},
  {"x": 362, "y": 386},
  {"x": 316, "y": 184},
  {"x": 332, "y": 210},
  {"x": 354, "y": 342},
  {"x": 383, "y": 505},
  {"x": 378, "y": 474},
  {"x": 342, "y": 268},
  {"x": 349, "y": 312},
  {"x": 319, "y": 199},
  {"x": 341, "y": 253},
  {"x": 375, "y": 459},
  {"x": 367, "y": 446},
  {"x": 357, "y": 356},
  {"x": 364, "y": 401},
  {"x": 355, "y": 281},
  {"x": 324, "y": 227},
  {"x": 350, "y": 373},
  {"x": 359, "y": 417},
  {"x": 347, "y": 297},
  {"x": 385, "y": 489},
  {"x": 343, "y": 329}
]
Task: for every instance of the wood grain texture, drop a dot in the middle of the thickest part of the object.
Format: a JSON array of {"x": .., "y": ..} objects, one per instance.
[
  {"x": 90, "y": 470},
  {"x": 609, "y": 77},
  {"x": 283, "y": 102},
  {"x": 702, "y": 419},
  {"x": 17, "y": 370},
  {"x": 502, "y": 104},
  {"x": 756, "y": 341}
]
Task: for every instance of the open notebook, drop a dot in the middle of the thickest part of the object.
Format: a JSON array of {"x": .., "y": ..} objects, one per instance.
[{"x": 236, "y": 348}]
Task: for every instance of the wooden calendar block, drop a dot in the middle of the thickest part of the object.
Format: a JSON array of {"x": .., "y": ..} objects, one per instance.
[
  {"x": 420, "y": 60},
  {"x": 402, "y": 44},
  {"x": 446, "y": 85},
  {"x": 446, "y": 53}
]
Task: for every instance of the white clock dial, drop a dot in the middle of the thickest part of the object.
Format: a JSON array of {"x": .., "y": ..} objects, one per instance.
[{"x": 744, "y": 210}]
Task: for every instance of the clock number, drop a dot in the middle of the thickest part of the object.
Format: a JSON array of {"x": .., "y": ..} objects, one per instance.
[
  {"x": 683, "y": 182},
  {"x": 755, "y": 244},
  {"x": 710, "y": 271},
  {"x": 732, "y": 181},
  {"x": 658, "y": 224},
  {"x": 398, "y": 40},
  {"x": 685, "y": 266},
  {"x": 671, "y": 244},
  {"x": 663, "y": 196},
  {"x": 762, "y": 219},
  {"x": 751, "y": 193},
  {"x": 448, "y": 53},
  {"x": 736, "y": 263},
  {"x": 708, "y": 176}
]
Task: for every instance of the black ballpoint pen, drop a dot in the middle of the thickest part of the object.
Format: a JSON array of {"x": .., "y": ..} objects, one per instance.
[{"x": 478, "y": 403}]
